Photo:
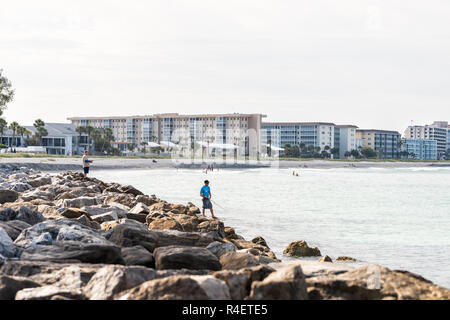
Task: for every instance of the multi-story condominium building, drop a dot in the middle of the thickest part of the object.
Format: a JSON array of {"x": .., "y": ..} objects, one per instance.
[
  {"x": 384, "y": 142},
  {"x": 61, "y": 139},
  {"x": 317, "y": 134},
  {"x": 345, "y": 138},
  {"x": 430, "y": 132},
  {"x": 420, "y": 149},
  {"x": 240, "y": 130},
  {"x": 444, "y": 125}
]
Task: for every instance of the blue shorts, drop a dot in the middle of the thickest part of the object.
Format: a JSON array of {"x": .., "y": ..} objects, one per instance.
[
  {"x": 207, "y": 203},
  {"x": 86, "y": 170}
]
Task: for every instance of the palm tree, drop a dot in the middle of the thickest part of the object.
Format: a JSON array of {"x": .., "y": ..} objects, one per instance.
[
  {"x": 21, "y": 131},
  {"x": 38, "y": 123},
  {"x": 13, "y": 126},
  {"x": 80, "y": 130},
  {"x": 41, "y": 132},
  {"x": 89, "y": 130}
]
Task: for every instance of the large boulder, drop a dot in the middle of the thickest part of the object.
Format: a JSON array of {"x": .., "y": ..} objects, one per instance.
[
  {"x": 179, "y": 257},
  {"x": 50, "y": 293},
  {"x": 220, "y": 248},
  {"x": 81, "y": 202},
  {"x": 8, "y": 196},
  {"x": 141, "y": 208},
  {"x": 130, "y": 190},
  {"x": 286, "y": 283},
  {"x": 301, "y": 249},
  {"x": 130, "y": 235},
  {"x": 214, "y": 227},
  {"x": 173, "y": 237},
  {"x": 58, "y": 230},
  {"x": 7, "y": 247},
  {"x": 40, "y": 181},
  {"x": 165, "y": 223},
  {"x": 138, "y": 256},
  {"x": 74, "y": 213},
  {"x": 238, "y": 260},
  {"x": 21, "y": 213},
  {"x": 10, "y": 285},
  {"x": 74, "y": 251},
  {"x": 179, "y": 288},
  {"x": 111, "y": 280}
]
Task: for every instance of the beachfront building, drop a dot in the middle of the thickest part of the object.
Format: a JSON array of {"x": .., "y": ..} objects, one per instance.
[
  {"x": 316, "y": 134},
  {"x": 384, "y": 142},
  {"x": 345, "y": 139},
  {"x": 177, "y": 131},
  {"x": 436, "y": 131},
  {"x": 62, "y": 139},
  {"x": 420, "y": 149}
]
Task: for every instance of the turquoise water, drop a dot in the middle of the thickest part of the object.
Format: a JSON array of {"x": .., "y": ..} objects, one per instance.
[{"x": 399, "y": 218}]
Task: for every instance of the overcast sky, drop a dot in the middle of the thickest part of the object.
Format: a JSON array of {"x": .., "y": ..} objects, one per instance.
[{"x": 372, "y": 63}]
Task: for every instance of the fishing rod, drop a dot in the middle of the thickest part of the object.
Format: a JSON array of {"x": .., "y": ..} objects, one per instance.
[{"x": 218, "y": 204}]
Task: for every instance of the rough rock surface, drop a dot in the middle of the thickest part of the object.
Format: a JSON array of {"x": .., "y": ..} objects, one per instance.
[
  {"x": 301, "y": 249},
  {"x": 179, "y": 257}
]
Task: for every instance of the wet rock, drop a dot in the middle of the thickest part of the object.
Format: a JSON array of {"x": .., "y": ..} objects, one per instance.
[
  {"x": 179, "y": 257},
  {"x": 111, "y": 280},
  {"x": 344, "y": 258},
  {"x": 8, "y": 196},
  {"x": 10, "y": 285},
  {"x": 325, "y": 259},
  {"x": 220, "y": 248},
  {"x": 7, "y": 247},
  {"x": 130, "y": 235},
  {"x": 237, "y": 260},
  {"x": 286, "y": 283},
  {"x": 261, "y": 241},
  {"x": 179, "y": 288},
  {"x": 74, "y": 251},
  {"x": 138, "y": 256},
  {"x": 48, "y": 293},
  {"x": 301, "y": 249}
]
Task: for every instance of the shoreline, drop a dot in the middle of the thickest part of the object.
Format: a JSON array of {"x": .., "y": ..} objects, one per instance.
[
  {"x": 112, "y": 233},
  {"x": 64, "y": 164}
]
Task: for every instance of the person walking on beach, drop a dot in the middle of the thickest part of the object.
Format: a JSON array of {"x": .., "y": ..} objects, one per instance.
[
  {"x": 86, "y": 163},
  {"x": 205, "y": 193}
]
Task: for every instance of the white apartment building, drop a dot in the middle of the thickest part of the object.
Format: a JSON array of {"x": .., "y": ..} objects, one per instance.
[
  {"x": 430, "y": 132},
  {"x": 345, "y": 139},
  {"x": 240, "y": 130}
]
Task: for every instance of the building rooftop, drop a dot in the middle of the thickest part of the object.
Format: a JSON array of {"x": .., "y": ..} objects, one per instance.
[
  {"x": 297, "y": 123},
  {"x": 378, "y": 130},
  {"x": 169, "y": 115}
]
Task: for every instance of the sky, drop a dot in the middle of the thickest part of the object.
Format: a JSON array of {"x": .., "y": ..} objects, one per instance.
[{"x": 372, "y": 63}]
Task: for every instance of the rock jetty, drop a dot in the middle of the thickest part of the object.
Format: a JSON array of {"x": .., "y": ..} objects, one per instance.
[{"x": 66, "y": 237}]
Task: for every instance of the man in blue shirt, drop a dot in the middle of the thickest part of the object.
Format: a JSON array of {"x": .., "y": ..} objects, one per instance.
[{"x": 205, "y": 193}]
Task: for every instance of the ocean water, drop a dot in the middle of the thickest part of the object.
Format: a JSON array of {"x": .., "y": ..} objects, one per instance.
[{"x": 399, "y": 218}]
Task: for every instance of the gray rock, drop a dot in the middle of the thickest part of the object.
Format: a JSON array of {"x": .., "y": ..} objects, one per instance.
[
  {"x": 111, "y": 280},
  {"x": 179, "y": 288},
  {"x": 80, "y": 202},
  {"x": 220, "y": 248},
  {"x": 130, "y": 235},
  {"x": 138, "y": 256},
  {"x": 21, "y": 213},
  {"x": 74, "y": 251},
  {"x": 178, "y": 257},
  {"x": 107, "y": 216},
  {"x": 14, "y": 227},
  {"x": 8, "y": 196},
  {"x": 140, "y": 208},
  {"x": 7, "y": 246},
  {"x": 174, "y": 237},
  {"x": 286, "y": 283},
  {"x": 60, "y": 230}
]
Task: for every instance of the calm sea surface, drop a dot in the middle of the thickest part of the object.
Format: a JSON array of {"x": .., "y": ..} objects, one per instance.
[{"x": 399, "y": 218}]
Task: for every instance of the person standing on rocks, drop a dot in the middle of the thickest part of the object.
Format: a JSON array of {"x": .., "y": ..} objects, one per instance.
[
  {"x": 205, "y": 193},
  {"x": 86, "y": 163}
]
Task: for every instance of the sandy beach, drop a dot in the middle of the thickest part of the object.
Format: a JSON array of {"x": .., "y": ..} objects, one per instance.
[{"x": 52, "y": 164}]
